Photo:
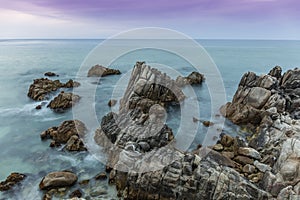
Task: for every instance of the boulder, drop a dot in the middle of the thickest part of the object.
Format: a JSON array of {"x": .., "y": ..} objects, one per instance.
[
  {"x": 58, "y": 180},
  {"x": 100, "y": 71},
  {"x": 63, "y": 101},
  {"x": 250, "y": 152},
  {"x": 112, "y": 102},
  {"x": 12, "y": 180}
]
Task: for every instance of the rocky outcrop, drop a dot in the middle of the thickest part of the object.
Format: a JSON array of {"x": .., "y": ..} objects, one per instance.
[
  {"x": 144, "y": 162},
  {"x": 58, "y": 179},
  {"x": 100, "y": 71},
  {"x": 193, "y": 78},
  {"x": 69, "y": 133},
  {"x": 12, "y": 180},
  {"x": 63, "y": 101},
  {"x": 41, "y": 88},
  {"x": 257, "y": 96},
  {"x": 269, "y": 104}
]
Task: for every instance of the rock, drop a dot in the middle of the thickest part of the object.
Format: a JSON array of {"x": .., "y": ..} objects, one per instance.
[
  {"x": 101, "y": 176},
  {"x": 250, "y": 152},
  {"x": 100, "y": 71},
  {"x": 71, "y": 84},
  {"x": 228, "y": 154},
  {"x": 68, "y": 132},
  {"x": 12, "y": 180},
  {"x": 207, "y": 123},
  {"x": 193, "y": 78},
  {"x": 57, "y": 180},
  {"x": 218, "y": 147},
  {"x": 262, "y": 167},
  {"x": 75, "y": 144},
  {"x": 243, "y": 160},
  {"x": 38, "y": 107},
  {"x": 112, "y": 102},
  {"x": 249, "y": 169},
  {"x": 276, "y": 72},
  {"x": 41, "y": 88},
  {"x": 63, "y": 101},
  {"x": 50, "y": 74},
  {"x": 76, "y": 193},
  {"x": 226, "y": 140}
]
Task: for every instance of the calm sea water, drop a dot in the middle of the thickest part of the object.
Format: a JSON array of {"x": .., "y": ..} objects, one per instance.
[{"x": 21, "y": 61}]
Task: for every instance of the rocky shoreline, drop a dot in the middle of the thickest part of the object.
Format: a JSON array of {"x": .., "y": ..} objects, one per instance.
[{"x": 143, "y": 162}]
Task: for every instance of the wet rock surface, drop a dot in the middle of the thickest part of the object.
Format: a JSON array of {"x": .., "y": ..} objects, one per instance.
[
  {"x": 269, "y": 106},
  {"x": 164, "y": 172},
  {"x": 69, "y": 133},
  {"x": 12, "y": 180},
  {"x": 41, "y": 88},
  {"x": 100, "y": 71}
]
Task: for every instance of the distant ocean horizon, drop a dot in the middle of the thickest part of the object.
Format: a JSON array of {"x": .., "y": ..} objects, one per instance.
[{"x": 23, "y": 60}]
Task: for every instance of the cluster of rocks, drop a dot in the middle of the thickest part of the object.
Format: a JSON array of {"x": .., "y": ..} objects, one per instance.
[
  {"x": 41, "y": 88},
  {"x": 12, "y": 180},
  {"x": 163, "y": 172},
  {"x": 69, "y": 133},
  {"x": 269, "y": 106},
  {"x": 241, "y": 157},
  {"x": 193, "y": 78},
  {"x": 100, "y": 71}
]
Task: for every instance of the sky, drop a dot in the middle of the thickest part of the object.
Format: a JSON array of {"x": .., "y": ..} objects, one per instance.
[{"x": 203, "y": 19}]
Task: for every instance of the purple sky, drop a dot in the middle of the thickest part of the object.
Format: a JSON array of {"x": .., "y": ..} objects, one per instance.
[{"x": 256, "y": 19}]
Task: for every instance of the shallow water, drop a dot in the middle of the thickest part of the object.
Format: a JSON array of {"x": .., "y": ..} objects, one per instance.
[{"x": 21, "y": 61}]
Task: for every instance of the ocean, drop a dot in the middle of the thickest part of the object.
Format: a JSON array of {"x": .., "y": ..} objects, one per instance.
[{"x": 22, "y": 61}]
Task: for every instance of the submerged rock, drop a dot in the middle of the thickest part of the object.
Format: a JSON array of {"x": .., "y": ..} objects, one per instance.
[
  {"x": 100, "y": 71},
  {"x": 63, "y": 101},
  {"x": 57, "y": 180},
  {"x": 12, "y": 180}
]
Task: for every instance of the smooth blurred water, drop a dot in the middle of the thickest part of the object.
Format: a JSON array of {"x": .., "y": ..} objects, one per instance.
[{"x": 21, "y": 61}]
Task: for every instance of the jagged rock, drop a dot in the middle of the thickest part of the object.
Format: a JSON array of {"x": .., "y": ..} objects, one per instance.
[
  {"x": 75, "y": 144},
  {"x": 12, "y": 180},
  {"x": 41, "y": 88},
  {"x": 207, "y": 123},
  {"x": 63, "y": 101},
  {"x": 276, "y": 128},
  {"x": 139, "y": 130},
  {"x": 50, "y": 74},
  {"x": 218, "y": 147},
  {"x": 68, "y": 132},
  {"x": 57, "y": 180},
  {"x": 101, "y": 71},
  {"x": 243, "y": 160},
  {"x": 193, "y": 78},
  {"x": 101, "y": 176}
]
